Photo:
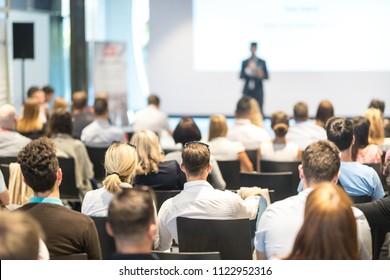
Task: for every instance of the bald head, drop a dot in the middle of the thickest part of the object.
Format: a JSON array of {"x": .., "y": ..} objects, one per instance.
[{"x": 7, "y": 117}]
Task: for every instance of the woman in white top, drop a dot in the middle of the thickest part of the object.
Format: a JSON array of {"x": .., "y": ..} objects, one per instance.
[
  {"x": 224, "y": 149},
  {"x": 120, "y": 163},
  {"x": 279, "y": 149}
]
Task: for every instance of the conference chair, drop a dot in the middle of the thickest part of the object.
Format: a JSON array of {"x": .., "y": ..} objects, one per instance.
[
  {"x": 162, "y": 196},
  {"x": 107, "y": 243},
  {"x": 4, "y": 166},
  {"x": 232, "y": 238},
  {"x": 69, "y": 192},
  {"x": 279, "y": 183},
  {"x": 385, "y": 250},
  {"x": 378, "y": 168},
  {"x": 81, "y": 256},
  {"x": 96, "y": 155},
  {"x": 188, "y": 255},
  {"x": 360, "y": 198},
  {"x": 252, "y": 155},
  {"x": 230, "y": 170},
  {"x": 282, "y": 166}
]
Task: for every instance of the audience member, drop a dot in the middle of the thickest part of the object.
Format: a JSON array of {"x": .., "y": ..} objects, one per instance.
[
  {"x": 11, "y": 142},
  {"x": 362, "y": 151},
  {"x": 60, "y": 131},
  {"x": 82, "y": 116},
  {"x": 357, "y": 179},
  {"x": 49, "y": 93},
  {"x": 256, "y": 114},
  {"x": 222, "y": 148},
  {"x": 153, "y": 170},
  {"x": 280, "y": 149},
  {"x": 60, "y": 104},
  {"x": 199, "y": 199},
  {"x": 378, "y": 212},
  {"x": 329, "y": 228},
  {"x": 251, "y": 136},
  {"x": 132, "y": 224},
  {"x": 380, "y": 104},
  {"x": 281, "y": 221},
  {"x": 39, "y": 96},
  {"x": 4, "y": 194},
  {"x": 376, "y": 133},
  {"x": 67, "y": 231},
  {"x": 187, "y": 131},
  {"x": 30, "y": 125},
  {"x": 304, "y": 131},
  {"x": 20, "y": 236},
  {"x": 324, "y": 112},
  {"x": 120, "y": 163},
  {"x": 152, "y": 117},
  {"x": 100, "y": 133}
]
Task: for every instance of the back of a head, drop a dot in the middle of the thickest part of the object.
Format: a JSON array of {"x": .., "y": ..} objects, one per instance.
[
  {"x": 153, "y": 100},
  {"x": 339, "y": 130},
  {"x": 100, "y": 106},
  {"x": 79, "y": 100},
  {"x": 31, "y": 109},
  {"x": 301, "y": 111},
  {"x": 148, "y": 149},
  {"x": 329, "y": 231},
  {"x": 377, "y": 132},
  {"x": 243, "y": 107},
  {"x": 60, "y": 103},
  {"x": 279, "y": 123},
  {"x": 120, "y": 163},
  {"x": 377, "y": 104},
  {"x": 20, "y": 236},
  {"x": 361, "y": 128},
  {"x": 130, "y": 213},
  {"x": 32, "y": 90},
  {"x": 7, "y": 116},
  {"x": 217, "y": 127},
  {"x": 60, "y": 122},
  {"x": 324, "y": 112},
  {"x": 186, "y": 131},
  {"x": 196, "y": 157},
  {"x": 39, "y": 164},
  {"x": 48, "y": 89},
  {"x": 320, "y": 162}
]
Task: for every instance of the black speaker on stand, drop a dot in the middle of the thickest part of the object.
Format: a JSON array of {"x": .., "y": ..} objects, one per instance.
[{"x": 23, "y": 45}]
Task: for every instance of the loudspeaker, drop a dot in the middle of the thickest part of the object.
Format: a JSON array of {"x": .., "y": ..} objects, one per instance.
[{"x": 23, "y": 38}]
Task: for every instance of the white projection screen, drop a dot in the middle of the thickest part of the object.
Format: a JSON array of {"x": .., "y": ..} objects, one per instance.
[{"x": 315, "y": 49}]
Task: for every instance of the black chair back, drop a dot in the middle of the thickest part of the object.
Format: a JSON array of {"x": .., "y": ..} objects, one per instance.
[
  {"x": 4, "y": 167},
  {"x": 107, "y": 243},
  {"x": 81, "y": 256},
  {"x": 378, "y": 169},
  {"x": 162, "y": 196},
  {"x": 282, "y": 166},
  {"x": 230, "y": 170},
  {"x": 252, "y": 155},
  {"x": 361, "y": 198},
  {"x": 232, "y": 238},
  {"x": 188, "y": 255},
  {"x": 68, "y": 188},
  {"x": 279, "y": 183},
  {"x": 96, "y": 155}
]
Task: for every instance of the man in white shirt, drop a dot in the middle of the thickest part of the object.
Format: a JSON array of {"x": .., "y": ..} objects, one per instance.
[
  {"x": 304, "y": 131},
  {"x": 199, "y": 199},
  {"x": 151, "y": 117},
  {"x": 251, "y": 136},
  {"x": 100, "y": 133},
  {"x": 281, "y": 221}
]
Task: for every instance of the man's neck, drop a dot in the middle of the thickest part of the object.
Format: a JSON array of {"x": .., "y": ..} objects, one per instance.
[
  {"x": 346, "y": 155},
  {"x": 125, "y": 247}
]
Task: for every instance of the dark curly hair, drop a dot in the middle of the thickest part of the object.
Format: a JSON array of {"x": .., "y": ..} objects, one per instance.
[{"x": 39, "y": 164}]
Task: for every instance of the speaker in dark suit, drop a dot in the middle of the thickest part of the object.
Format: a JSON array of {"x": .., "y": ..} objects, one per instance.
[{"x": 254, "y": 71}]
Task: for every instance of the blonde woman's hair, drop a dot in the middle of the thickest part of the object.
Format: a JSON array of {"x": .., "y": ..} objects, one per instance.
[
  {"x": 256, "y": 114},
  {"x": 376, "y": 131},
  {"x": 30, "y": 120},
  {"x": 148, "y": 150},
  {"x": 60, "y": 103},
  {"x": 217, "y": 127},
  {"x": 120, "y": 163}
]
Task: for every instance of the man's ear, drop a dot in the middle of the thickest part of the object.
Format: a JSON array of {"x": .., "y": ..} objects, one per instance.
[
  {"x": 336, "y": 178},
  {"x": 109, "y": 229},
  {"x": 209, "y": 168},
  {"x": 182, "y": 167},
  {"x": 152, "y": 231},
  {"x": 59, "y": 174},
  {"x": 300, "y": 170}
]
